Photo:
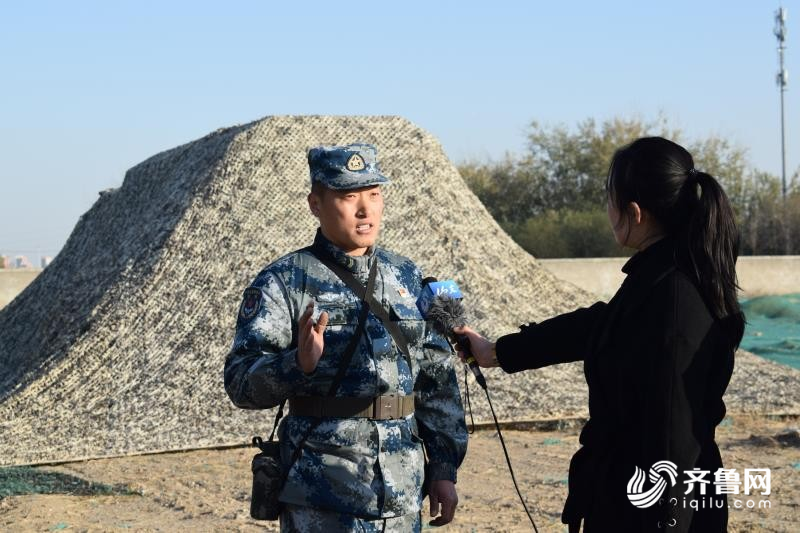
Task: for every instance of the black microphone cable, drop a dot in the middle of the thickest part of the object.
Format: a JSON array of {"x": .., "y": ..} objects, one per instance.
[
  {"x": 468, "y": 402},
  {"x": 502, "y": 443}
]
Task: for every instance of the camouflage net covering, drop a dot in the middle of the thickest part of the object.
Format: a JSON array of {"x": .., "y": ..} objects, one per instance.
[{"x": 118, "y": 346}]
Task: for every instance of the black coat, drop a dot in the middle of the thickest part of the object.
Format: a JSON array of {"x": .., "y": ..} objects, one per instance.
[{"x": 657, "y": 364}]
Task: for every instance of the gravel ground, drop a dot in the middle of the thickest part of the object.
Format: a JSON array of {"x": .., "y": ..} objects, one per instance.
[{"x": 207, "y": 490}]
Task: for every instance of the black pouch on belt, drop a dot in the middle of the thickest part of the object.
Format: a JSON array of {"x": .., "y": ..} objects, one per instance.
[
  {"x": 267, "y": 480},
  {"x": 268, "y": 475}
]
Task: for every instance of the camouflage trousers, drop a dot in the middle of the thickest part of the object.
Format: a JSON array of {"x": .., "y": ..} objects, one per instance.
[{"x": 308, "y": 520}]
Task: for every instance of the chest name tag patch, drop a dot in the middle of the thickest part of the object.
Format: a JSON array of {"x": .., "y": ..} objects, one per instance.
[{"x": 251, "y": 303}]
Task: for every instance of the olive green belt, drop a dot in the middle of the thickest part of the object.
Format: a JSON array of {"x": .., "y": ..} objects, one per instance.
[{"x": 388, "y": 407}]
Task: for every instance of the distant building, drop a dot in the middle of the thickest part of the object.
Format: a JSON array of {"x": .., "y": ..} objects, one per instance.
[
  {"x": 46, "y": 260},
  {"x": 4, "y": 262},
  {"x": 22, "y": 261}
]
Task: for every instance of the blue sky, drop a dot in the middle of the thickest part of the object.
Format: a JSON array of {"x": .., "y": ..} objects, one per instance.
[{"x": 89, "y": 89}]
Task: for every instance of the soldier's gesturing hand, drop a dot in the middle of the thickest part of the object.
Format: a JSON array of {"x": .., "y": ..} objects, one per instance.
[{"x": 310, "y": 342}]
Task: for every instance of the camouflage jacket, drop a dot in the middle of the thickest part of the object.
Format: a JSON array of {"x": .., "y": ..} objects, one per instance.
[{"x": 371, "y": 468}]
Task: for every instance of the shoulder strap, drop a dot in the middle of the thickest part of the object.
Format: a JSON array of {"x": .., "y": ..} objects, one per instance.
[
  {"x": 366, "y": 295},
  {"x": 278, "y": 417},
  {"x": 344, "y": 362},
  {"x": 347, "y": 356}
]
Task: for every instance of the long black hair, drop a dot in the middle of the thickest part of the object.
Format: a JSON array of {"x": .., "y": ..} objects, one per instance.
[{"x": 691, "y": 207}]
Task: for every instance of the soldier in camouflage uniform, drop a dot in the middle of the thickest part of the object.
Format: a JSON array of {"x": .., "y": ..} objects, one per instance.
[{"x": 358, "y": 471}]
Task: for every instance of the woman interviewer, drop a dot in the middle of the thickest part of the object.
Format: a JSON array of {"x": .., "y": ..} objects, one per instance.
[{"x": 657, "y": 357}]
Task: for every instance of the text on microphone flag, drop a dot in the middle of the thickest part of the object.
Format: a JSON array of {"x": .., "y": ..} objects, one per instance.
[{"x": 434, "y": 289}]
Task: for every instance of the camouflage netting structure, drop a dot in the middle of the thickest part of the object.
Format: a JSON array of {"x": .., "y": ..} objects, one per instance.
[{"x": 118, "y": 346}]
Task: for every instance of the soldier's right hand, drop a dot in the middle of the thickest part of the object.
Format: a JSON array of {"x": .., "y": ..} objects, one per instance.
[{"x": 310, "y": 342}]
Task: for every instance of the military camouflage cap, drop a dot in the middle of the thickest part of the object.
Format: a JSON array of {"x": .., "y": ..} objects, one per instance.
[{"x": 345, "y": 167}]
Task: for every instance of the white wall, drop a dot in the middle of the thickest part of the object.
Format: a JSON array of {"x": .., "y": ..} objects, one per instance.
[{"x": 758, "y": 275}]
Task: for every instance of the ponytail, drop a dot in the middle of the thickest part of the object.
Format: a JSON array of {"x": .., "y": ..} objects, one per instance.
[{"x": 713, "y": 244}]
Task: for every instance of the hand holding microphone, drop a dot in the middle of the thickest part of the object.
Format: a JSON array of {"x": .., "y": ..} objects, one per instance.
[
  {"x": 440, "y": 303},
  {"x": 482, "y": 349}
]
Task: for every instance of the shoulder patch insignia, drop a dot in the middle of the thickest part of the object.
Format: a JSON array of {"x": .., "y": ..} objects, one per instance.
[
  {"x": 356, "y": 162},
  {"x": 251, "y": 303},
  {"x": 403, "y": 292}
]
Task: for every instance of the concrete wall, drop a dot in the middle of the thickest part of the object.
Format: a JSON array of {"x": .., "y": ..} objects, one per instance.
[
  {"x": 758, "y": 275},
  {"x": 13, "y": 281},
  {"x": 765, "y": 274}
]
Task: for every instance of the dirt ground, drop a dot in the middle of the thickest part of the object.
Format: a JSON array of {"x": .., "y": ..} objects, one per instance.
[{"x": 208, "y": 490}]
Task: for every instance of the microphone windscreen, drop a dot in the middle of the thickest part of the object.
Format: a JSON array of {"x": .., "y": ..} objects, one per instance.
[{"x": 446, "y": 313}]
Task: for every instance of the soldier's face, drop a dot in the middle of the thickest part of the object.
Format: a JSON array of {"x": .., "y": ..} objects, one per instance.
[{"x": 349, "y": 219}]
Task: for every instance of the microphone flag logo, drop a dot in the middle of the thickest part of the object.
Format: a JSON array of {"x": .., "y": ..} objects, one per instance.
[
  {"x": 641, "y": 498},
  {"x": 436, "y": 288}
]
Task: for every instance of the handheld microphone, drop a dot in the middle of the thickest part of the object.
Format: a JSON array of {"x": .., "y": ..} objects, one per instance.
[{"x": 440, "y": 303}]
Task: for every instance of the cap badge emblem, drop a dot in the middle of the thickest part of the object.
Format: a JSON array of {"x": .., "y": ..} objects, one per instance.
[{"x": 356, "y": 162}]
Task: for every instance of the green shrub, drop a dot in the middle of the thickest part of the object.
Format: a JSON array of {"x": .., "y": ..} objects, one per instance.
[{"x": 567, "y": 233}]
